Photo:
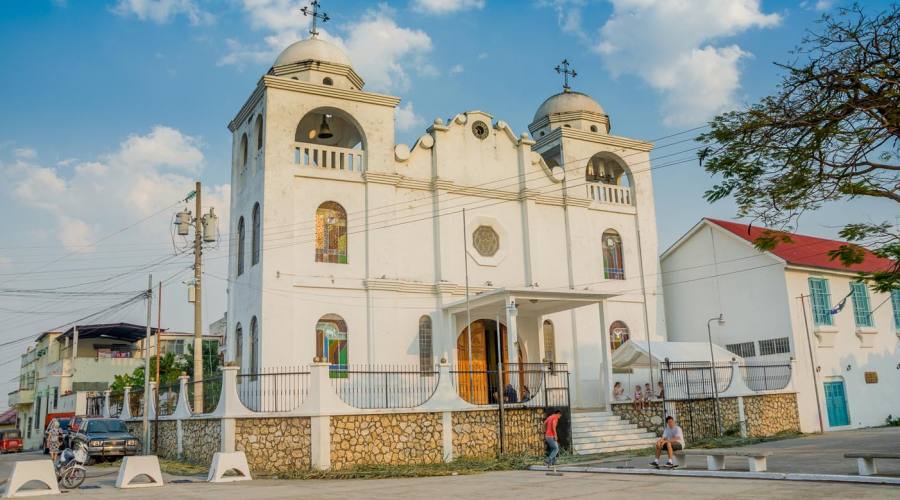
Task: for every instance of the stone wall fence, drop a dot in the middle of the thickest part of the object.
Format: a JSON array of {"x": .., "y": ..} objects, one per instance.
[
  {"x": 324, "y": 432},
  {"x": 756, "y": 413}
]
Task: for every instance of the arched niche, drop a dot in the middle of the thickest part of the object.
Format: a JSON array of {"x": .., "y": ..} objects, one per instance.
[
  {"x": 344, "y": 129},
  {"x": 607, "y": 168}
]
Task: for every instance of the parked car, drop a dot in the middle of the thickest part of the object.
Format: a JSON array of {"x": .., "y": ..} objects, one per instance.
[
  {"x": 10, "y": 441},
  {"x": 106, "y": 438},
  {"x": 64, "y": 427}
]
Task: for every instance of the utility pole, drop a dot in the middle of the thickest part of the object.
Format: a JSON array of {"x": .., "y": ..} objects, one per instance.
[
  {"x": 146, "y": 440},
  {"x": 198, "y": 309},
  {"x": 812, "y": 363},
  {"x": 158, "y": 331},
  {"x": 204, "y": 232}
]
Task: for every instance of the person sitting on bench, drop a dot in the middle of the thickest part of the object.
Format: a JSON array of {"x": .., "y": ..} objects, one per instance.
[{"x": 672, "y": 440}]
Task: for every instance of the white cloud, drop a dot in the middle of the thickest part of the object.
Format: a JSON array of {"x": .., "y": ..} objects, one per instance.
[
  {"x": 382, "y": 51},
  {"x": 89, "y": 199},
  {"x": 25, "y": 153},
  {"x": 672, "y": 46},
  {"x": 568, "y": 16},
  {"x": 441, "y": 7},
  {"x": 162, "y": 11},
  {"x": 457, "y": 69},
  {"x": 406, "y": 118}
]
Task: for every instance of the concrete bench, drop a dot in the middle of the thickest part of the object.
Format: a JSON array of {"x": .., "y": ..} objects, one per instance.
[
  {"x": 715, "y": 459},
  {"x": 866, "y": 461}
]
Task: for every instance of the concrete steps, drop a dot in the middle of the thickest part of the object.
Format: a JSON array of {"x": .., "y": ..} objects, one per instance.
[{"x": 604, "y": 432}]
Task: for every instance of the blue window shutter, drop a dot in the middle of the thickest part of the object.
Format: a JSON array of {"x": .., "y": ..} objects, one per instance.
[
  {"x": 895, "y": 301},
  {"x": 820, "y": 298},
  {"x": 861, "y": 311}
]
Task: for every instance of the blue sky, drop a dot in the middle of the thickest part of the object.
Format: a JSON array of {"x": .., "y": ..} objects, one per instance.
[{"x": 112, "y": 107}]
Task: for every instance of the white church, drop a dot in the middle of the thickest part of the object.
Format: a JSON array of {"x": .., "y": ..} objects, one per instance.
[{"x": 353, "y": 249}]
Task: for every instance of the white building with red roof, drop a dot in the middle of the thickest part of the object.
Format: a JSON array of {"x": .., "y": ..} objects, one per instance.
[{"x": 791, "y": 302}]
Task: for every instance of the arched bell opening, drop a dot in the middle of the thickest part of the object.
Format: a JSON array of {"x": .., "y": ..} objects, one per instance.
[
  {"x": 608, "y": 180},
  {"x": 330, "y": 138}
]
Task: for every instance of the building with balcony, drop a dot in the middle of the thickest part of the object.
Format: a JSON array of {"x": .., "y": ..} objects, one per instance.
[
  {"x": 62, "y": 369},
  {"x": 354, "y": 249}
]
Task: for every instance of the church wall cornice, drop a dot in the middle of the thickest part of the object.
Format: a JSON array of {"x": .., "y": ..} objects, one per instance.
[
  {"x": 337, "y": 69},
  {"x": 608, "y": 140},
  {"x": 278, "y": 82},
  {"x": 247, "y": 108}
]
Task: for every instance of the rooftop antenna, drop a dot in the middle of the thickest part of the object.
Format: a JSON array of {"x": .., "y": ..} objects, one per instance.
[
  {"x": 314, "y": 12},
  {"x": 563, "y": 69}
]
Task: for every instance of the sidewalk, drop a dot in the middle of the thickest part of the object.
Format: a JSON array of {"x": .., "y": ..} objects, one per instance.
[{"x": 816, "y": 454}]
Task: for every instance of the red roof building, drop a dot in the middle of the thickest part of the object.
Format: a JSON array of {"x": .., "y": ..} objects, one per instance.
[{"x": 806, "y": 251}]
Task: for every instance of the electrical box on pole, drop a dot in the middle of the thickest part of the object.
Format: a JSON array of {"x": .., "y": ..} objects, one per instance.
[{"x": 210, "y": 226}]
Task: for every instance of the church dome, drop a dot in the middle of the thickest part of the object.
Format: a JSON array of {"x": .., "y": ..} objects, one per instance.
[
  {"x": 567, "y": 102},
  {"x": 312, "y": 49}
]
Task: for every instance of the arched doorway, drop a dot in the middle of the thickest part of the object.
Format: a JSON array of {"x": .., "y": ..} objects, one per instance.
[{"x": 478, "y": 383}]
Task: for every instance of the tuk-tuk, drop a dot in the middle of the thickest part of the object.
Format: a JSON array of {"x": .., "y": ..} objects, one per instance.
[{"x": 10, "y": 441}]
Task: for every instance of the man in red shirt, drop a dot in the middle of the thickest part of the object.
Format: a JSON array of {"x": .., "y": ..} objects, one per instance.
[{"x": 551, "y": 437}]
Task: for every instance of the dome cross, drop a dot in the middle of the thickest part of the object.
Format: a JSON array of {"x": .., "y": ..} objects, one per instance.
[
  {"x": 563, "y": 69},
  {"x": 314, "y": 12}
]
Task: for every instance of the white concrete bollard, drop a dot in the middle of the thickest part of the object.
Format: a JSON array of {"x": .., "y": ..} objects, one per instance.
[
  {"x": 223, "y": 462},
  {"x": 31, "y": 470},
  {"x": 135, "y": 466}
]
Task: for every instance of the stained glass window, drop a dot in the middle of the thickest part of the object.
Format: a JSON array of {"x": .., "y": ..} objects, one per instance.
[
  {"x": 549, "y": 342},
  {"x": 618, "y": 334},
  {"x": 613, "y": 259},
  {"x": 331, "y": 233},
  {"x": 331, "y": 344}
]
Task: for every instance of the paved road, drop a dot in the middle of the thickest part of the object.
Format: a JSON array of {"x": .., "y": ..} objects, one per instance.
[{"x": 505, "y": 485}]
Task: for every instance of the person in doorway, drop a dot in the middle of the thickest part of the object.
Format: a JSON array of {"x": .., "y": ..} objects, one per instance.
[
  {"x": 551, "y": 437},
  {"x": 638, "y": 398},
  {"x": 660, "y": 391},
  {"x": 672, "y": 440},
  {"x": 618, "y": 392},
  {"x": 54, "y": 439},
  {"x": 510, "y": 395}
]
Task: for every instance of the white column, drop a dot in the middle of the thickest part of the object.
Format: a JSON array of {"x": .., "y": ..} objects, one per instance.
[
  {"x": 104, "y": 412},
  {"x": 229, "y": 402},
  {"x": 126, "y": 406},
  {"x": 320, "y": 442},
  {"x": 605, "y": 350},
  {"x": 447, "y": 435},
  {"x": 512, "y": 332}
]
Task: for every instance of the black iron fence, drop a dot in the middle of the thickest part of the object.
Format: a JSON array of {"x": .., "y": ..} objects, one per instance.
[
  {"x": 370, "y": 387},
  {"x": 116, "y": 402},
  {"x": 136, "y": 402},
  {"x": 275, "y": 390},
  {"x": 528, "y": 384},
  {"x": 94, "y": 406},
  {"x": 694, "y": 380},
  {"x": 766, "y": 377},
  {"x": 167, "y": 398},
  {"x": 211, "y": 390}
]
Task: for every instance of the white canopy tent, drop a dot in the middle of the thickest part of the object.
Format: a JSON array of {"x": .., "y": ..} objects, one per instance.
[{"x": 636, "y": 354}]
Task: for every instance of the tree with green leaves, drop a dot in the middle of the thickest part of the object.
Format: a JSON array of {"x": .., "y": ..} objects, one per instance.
[
  {"x": 170, "y": 368},
  {"x": 831, "y": 132}
]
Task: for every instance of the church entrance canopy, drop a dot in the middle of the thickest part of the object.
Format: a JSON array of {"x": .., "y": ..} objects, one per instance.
[{"x": 525, "y": 301}]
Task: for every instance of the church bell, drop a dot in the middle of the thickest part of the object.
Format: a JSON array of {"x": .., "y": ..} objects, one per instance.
[{"x": 325, "y": 130}]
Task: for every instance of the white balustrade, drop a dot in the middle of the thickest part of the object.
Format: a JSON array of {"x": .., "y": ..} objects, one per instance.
[
  {"x": 330, "y": 157},
  {"x": 609, "y": 193}
]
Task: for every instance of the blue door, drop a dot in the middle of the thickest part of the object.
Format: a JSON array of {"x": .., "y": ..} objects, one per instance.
[{"x": 836, "y": 403}]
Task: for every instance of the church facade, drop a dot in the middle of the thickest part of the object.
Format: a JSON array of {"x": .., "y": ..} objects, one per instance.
[{"x": 349, "y": 248}]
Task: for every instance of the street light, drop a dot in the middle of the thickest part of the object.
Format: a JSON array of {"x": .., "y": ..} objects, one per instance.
[{"x": 712, "y": 358}]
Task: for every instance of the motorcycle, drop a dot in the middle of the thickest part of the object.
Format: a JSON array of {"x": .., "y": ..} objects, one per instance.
[{"x": 70, "y": 471}]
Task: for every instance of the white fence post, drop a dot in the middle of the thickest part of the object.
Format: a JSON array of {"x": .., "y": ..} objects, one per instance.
[
  {"x": 182, "y": 409},
  {"x": 737, "y": 386},
  {"x": 126, "y": 404},
  {"x": 323, "y": 400},
  {"x": 445, "y": 396},
  {"x": 150, "y": 406},
  {"x": 229, "y": 402},
  {"x": 104, "y": 412}
]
